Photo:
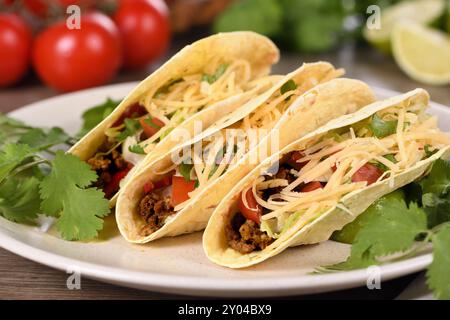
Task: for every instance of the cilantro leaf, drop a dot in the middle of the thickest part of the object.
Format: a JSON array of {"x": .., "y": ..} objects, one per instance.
[
  {"x": 381, "y": 128},
  {"x": 262, "y": 16},
  {"x": 428, "y": 151},
  {"x": 11, "y": 156},
  {"x": 64, "y": 195},
  {"x": 312, "y": 25},
  {"x": 288, "y": 86},
  {"x": 438, "y": 276},
  {"x": 390, "y": 227},
  {"x": 351, "y": 230},
  {"x": 136, "y": 148},
  {"x": 438, "y": 181},
  {"x": 185, "y": 170},
  {"x": 39, "y": 139},
  {"x": 96, "y": 114},
  {"x": 132, "y": 126},
  {"x": 19, "y": 199},
  {"x": 437, "y": 208}
]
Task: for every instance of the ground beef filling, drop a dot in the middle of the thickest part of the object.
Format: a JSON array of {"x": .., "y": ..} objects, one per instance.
[
  {"x": 106, "y": 166},
  {"x": 154, "y": 208},
  {"x": 245, "y": 236}
]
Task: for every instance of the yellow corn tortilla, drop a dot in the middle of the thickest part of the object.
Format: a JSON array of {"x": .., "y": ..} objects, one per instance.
[
  {"x": 315, "y": 229},
  {"x": 257, "y": 49},
  {"x": 309, "y": 111}
]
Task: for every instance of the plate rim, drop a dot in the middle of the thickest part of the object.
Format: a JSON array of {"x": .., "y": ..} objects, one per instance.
[{"x": 201, "y": 286}]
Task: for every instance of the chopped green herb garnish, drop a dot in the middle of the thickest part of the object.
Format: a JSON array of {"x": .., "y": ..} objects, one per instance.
[
  {"x": 96, "y": 114},
  {"x": 429, "y": 152},
  {"x": 185, "y": 170},
  {"x": 288, "y": 86},
  {"x": 136, "y": 148},
  {"x": 382, "y": 128},
  {"x": 132, "y": 126}
]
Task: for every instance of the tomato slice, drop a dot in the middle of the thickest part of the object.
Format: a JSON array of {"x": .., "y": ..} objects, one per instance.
[
  {"x": 114, "y": 185},
  {"x": 133, "y": 111},
  {"x": 180, "y": 189},
  {"x": 164, "y": 182},
  {"x": 149, "y": 187},
  {"x": 254, "y": 210},
  {"x": 151, "y": 125},
  {"x": 292, "y": 159},
  {"x": 367, "y": 172},
  {"x": 311, "y": 186}
]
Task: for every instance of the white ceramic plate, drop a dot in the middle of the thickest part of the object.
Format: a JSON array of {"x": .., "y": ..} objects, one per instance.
[{"x": 178, "y": 265}]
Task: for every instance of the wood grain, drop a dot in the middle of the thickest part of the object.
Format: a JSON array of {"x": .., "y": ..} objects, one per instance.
[{"x": 23, "y": 279}]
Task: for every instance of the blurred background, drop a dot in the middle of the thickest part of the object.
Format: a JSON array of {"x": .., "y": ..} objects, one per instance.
[{"x": 395, "y": 44}]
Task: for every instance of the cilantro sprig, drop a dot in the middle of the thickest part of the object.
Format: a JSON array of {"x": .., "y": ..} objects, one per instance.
[
  {"x": 404, "y": 225},
  {"x": 59, "y": 185}
]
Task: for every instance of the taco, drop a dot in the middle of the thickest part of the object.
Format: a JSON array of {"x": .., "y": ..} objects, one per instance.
[
  {"x": 207, "y": 79},
  {"x": 318, "y": 184},
  {"x": 169, "y": 198}
]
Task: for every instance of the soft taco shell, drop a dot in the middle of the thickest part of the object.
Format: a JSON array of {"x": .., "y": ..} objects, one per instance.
[
  {"x": 331, "y": 100},
  {"x": 310, "y": 230}
]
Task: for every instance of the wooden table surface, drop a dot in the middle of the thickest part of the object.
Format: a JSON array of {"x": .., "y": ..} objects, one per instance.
[{"x": 23, "y": 279}]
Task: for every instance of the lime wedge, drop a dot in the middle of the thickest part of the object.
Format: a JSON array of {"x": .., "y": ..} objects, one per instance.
[
  {"x": 422, "y": 53},
  {"x": 426, "y": 12}
]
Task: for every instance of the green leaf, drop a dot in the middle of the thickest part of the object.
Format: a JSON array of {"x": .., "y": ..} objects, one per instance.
[
  {"x": 185, "y": 170},
  {"x": 65, "y": 195},
  {"x": 437, "y": 208},
  {"x": 132, "y": 126},
  {"x": 381, "y": 128},
  {"x": 288, "y": 86},
  {"x": 390, "y": 227},
  {"x": 136, "y": 148},
  {"x": 262, "y": 16},
  {"x": 312, "y": 25},
  {"x": 438, "y": 181},
  {"x": 428, "y": 152},
  {"x": 389, "y": 157},
  {"x": 438, "y": 275},
  {"x": 93, "y": 116},
  {"x": 11, "y": 156},
  {"x": 19, "y": 199},
  {"x": 351, "y": 230},
  {"x": 39, "y": 139}
]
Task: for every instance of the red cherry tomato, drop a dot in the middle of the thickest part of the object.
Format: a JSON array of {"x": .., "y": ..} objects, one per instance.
[
  {"x": 114, "y": 185},
  {"x": 15, "y": 48},
  {"x": 311, "y": 186},
  {"x": 292, "y": 159},
  {"x": 80, "y": 58},
  {"x": 254, "y": 210},
  {"x": 145, "y": 32},
  {"x": 164, "y": 182},
  {"x": 149, "y": 187},
  {"x": 180, "y": 190},
  {"x": 367, "y": 172},
  {"x": 151, "y": 125}
]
